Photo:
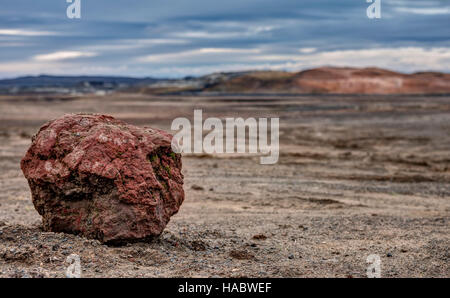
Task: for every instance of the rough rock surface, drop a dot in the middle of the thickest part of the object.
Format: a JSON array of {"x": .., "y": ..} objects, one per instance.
[{"x": 102, "y": 178}]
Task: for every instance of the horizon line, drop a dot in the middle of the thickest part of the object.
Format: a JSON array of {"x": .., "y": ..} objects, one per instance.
[{"x": 211, "y": 73}]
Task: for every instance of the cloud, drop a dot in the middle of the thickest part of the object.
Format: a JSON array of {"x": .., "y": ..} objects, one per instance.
[
  {"x": 28, "y": 67},
  {"x": 12, "y": 44},
  {"x": 307, "y": 50},
  {"x": 203, "y": 61},
  {"x": 151, "y": 38},
  {"x": 206, "y": 34},
  {"x": 58, "y": 68},
  {"x": 424, "y": 10},
  {"x": 63, "y": 55},
  {"x": 24, "y": 32},
  {"x": 407, "y": 59},
  {"x": 241, "y": 30},
  {"x": 403, "y": 58},
  {"x": 155, "y": 41},
  {"x": 130, "y": 44},
  {"x": 204, "y": 53}
]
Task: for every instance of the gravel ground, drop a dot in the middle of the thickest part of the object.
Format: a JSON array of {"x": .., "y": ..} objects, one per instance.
[{"x": 357, "y": 175}]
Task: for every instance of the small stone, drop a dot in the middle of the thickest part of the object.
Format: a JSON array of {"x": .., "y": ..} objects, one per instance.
[
  {"x": 259, "y": 237},
  {"x": 389, "y": 255},
  {"x": 304, "y": 228},
  {"x": 197, "y": 187},
  {"x": 290, "y": 257}
]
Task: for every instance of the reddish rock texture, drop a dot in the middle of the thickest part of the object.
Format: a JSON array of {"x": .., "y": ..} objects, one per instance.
[
  {"x": 334, "y": 80},
  {"x": 370, "y": 81},
  {"x": 102, "y": 178}
]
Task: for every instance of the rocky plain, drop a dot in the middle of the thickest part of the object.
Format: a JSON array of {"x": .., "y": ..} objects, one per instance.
[{"x": 357, "y": 175}]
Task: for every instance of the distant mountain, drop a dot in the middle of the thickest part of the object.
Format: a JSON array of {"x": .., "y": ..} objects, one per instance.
[
  {"x": 69, "y": 84},
  {"x": 324, "y": 80},
  {"x": 328, "y": 80}
]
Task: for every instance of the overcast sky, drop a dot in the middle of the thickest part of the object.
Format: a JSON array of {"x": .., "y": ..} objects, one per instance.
[{"x": 175, "y": 38}]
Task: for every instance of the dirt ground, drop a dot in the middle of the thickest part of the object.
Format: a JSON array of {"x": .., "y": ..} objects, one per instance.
[{"x": 357, "y": 175}]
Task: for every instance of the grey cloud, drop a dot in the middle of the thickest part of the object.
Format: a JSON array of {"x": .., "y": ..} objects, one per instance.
[{"x": 121, "y": 32}]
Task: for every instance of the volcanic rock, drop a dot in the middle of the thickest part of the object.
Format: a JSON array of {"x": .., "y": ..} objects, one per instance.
[{"x": 102, "y": 178}]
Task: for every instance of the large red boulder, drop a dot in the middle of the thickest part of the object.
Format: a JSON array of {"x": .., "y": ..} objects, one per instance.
[{"x": 102, "y": 178}]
